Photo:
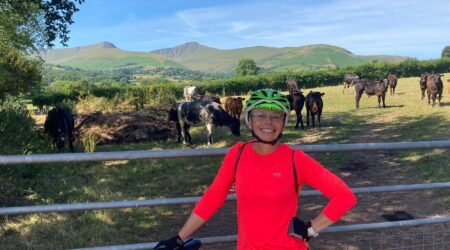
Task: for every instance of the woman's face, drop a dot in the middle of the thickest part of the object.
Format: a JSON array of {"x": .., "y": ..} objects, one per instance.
[{"x": 266, "y": 124}]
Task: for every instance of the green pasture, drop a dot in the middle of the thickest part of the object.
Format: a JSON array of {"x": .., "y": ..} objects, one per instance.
[{"x": 406, "y": 118}]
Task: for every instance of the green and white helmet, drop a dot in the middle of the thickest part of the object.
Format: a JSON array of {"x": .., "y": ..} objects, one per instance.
[{"x": 267, "y": 99}]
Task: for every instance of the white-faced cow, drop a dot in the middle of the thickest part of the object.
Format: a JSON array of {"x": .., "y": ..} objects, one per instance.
[
  {"x": 59, "y": 125},
  {"x": 349, "y": 80},
  {"x": 314, "y": 106},
  {"x": 204, "y": 112},
  {"x": 434, "y": 88},
  {"x": 292, "y": 86},
  {"x": 378, "y": 88},
  {"x": 190, "y": 93},
  {"x": 392, "y": 82}
]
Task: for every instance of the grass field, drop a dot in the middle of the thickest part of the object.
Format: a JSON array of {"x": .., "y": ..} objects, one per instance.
[{"x": 406, "y": 118}]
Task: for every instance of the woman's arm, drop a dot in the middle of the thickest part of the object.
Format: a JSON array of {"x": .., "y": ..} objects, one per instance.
[
  {"x": 320, "y": 222},
  {"x": 193, "y": 223},
  {"x": 341, "y": 196}
]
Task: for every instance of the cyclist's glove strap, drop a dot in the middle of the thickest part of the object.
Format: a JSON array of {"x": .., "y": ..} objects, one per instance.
[{"x": 174, "y": 243}]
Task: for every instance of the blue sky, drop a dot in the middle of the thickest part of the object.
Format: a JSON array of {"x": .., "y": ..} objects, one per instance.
[{"x": 414, "y": 28}]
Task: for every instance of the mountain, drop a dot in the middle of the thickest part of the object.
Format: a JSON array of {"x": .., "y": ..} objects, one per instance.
[
  {"x": 202, "y": 58},
  {"x": 104, "y": 56},
  {"x": 194, "y": 56}
]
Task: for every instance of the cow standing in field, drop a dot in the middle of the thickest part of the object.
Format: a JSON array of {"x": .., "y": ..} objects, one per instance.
[
  {"x": 173, "y": 116},
  {"x": 297, "y": 101},
  {"x": 434, "y": 88},
  {"x": 378, "y": 88},
  {"x": 292, "y": 86},
  {"x": 204, "y": 112},
  {"x": 314, "y": 106},
  {"x": 190, "y": 93},
  {"x": 234, "y": 106},
  {"x": 392, "y": 82},
  {"x": 423, "y": 83},
  {"x": 349, "y": 80},
  {"x": 59, "y": 125}
]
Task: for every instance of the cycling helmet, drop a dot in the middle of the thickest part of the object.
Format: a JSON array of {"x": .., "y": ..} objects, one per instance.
[{"x": 267, "y": 99}]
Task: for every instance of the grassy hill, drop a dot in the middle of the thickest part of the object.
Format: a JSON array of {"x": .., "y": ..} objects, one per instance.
[
  {"x": 197, "y": 57},
  {"x": 103, "y": 56},
  {"x": 203, "y": 58}
]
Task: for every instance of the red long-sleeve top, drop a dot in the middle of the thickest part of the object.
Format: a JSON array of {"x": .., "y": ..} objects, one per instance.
[{"x": 266, "y": 197}]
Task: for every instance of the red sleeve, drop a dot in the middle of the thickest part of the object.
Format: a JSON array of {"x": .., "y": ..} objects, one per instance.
[
  {"x": 315, "y": 175},
  {"x": 217, "y": 192}
]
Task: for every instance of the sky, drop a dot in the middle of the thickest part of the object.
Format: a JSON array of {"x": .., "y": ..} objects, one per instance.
[{"x": 414, "y": 28}]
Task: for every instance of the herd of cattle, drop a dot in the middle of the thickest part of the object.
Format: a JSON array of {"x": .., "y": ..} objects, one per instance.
[
  {"x": 199, "y": 109},
  {"x": 432, "y": 83},
  {"x": 205, "y": 110}
]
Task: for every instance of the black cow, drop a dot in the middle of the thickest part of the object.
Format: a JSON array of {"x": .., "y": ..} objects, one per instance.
[
  {"x": 314, "y": 105},
  {"x": 60, "y": 125},
  {"x": 378, "y": 88},
  {"x": 423, "y": 83},
  {"x": 392, "y": 82},
  {"x": 434, "y": 88},
  {"x": 297, "y": 101},
  {"x": 173, "y": 116},
  {"x": 211, "y": 114},
  {"x": 349, "y": 80}
]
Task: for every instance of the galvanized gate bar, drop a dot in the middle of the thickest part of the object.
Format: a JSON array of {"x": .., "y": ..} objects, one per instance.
[
  {"x": 184, "y": 200},
  {"x": 186, "y": 153},
  {"x": 335, "y": 229}
]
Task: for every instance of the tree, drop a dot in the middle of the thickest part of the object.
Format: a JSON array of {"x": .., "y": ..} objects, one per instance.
[
  {"x": 246, "y": 67},
  {"x": 32, "y": 24},
  {"x": 26, "y": 26},
  {"x": 446, "y": 52},
  {"x": 18, "y": 74}
]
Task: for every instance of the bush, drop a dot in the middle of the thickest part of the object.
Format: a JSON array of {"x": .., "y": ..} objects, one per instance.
[{"x": 18, "y": 132}]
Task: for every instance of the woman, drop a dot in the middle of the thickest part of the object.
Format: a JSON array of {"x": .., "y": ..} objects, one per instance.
[{"x": 268, "y": 176}]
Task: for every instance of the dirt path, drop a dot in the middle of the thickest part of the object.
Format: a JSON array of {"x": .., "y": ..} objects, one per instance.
[{"x": 363, "y": 169}]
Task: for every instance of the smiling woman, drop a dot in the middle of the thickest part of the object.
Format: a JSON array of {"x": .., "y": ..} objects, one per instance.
[{"x": 263, "y": 173}]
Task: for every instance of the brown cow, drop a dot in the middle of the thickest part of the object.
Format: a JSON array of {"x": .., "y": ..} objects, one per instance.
[
  {"x": 448, "y": 86},
  {"x": 392, "y": 82},
  {"x": 434, "y": 88},
  {"x": 314, "y": 106},
  {"x": 234, "y": 106},
  {"x": 377, "y": 88},
  {"x": 292, "y": 86},
  {"x": 349, "y": 80}
]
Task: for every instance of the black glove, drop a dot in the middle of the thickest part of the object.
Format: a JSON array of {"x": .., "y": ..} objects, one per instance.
[
  {"x": 173, "y": 243},
  {"x": 299, "y": 229}
]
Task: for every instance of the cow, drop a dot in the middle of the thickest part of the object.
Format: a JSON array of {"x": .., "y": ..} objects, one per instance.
[
  {"x": 59, "y": 125},
  {"x": 423, "y": 83},
  {"x": 297, "y": 101},
  {"x": 349, "y": 80},
  {"x": 392, "y": 82},
  {"x": 314, "y": 106},
  {"x": 211, "y": 114},
  {"x": 173, "y": 116},
  {"x": 448, "y": 86},
  {"x": 190, "y": 92},
  {"x": 378, "y": 88},
  {"x": 292, "y": 86},
  {"x": 434, "y": 88},
  {"x": 234, "y": 106},
  {"x": 215, "y": 99}
]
